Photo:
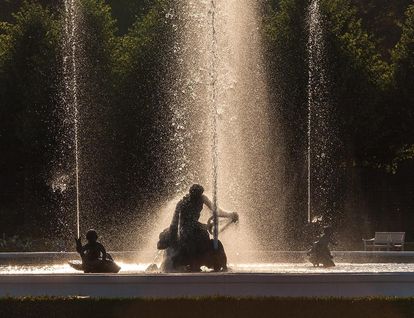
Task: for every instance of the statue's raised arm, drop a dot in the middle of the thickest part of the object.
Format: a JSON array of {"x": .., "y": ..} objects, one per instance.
[{"x": 220, "y": 212}]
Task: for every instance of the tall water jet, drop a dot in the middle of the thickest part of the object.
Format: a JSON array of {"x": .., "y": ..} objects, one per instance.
[
  {"x": 71, "y": 87},
  {"x": 214, "y": 150},
  {"x": 248, "y": 148},
  {"x": 321, "y": 132}
]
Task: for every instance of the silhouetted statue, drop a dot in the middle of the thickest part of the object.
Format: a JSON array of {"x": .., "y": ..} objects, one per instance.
[
  {"x": 320, "y": 253},
  {"x": 95, "y": 259},
  {"x": 187, "y": 241}
]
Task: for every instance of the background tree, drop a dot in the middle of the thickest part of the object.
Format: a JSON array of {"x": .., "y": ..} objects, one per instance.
[
  {"x": 403, "y": 76},
  {"x": 28, "y": 95}
]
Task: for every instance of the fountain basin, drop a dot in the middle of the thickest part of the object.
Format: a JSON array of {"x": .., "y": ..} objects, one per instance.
[
  {"x": 212, "y": 284},
  {"x": 47, "y": 274}
]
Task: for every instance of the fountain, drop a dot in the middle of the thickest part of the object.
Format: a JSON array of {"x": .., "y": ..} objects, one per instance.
[
  {"x": 322, "y": 143},
  {"x": 71, "y": 85},
  {"x": 221, "y": 137},
  {"x": 249, "y": 159},
  {"x": 222, "y": 120},
  {"x": 214, "y": 103}
]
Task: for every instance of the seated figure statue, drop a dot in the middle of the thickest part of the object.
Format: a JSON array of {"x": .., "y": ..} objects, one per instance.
[
  {"x": 95, "y": 259},
  {"x": 320, "y": 253},
  {"x": 186, "y": 242}
]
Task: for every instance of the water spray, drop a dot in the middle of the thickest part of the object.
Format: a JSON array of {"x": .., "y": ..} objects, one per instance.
[
  {"x": 312, "y": 20},
  {"x": 320, "y": 149},
  {"x": 72, "y": 87},
  {"x": 213, "y": 76}
]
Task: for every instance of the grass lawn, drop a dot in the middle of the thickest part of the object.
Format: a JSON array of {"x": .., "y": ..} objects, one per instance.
[{"x": 208, "y": 307}]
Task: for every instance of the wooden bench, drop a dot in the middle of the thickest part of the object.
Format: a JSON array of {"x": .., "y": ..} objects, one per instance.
[{"x": 385, "y": 241}]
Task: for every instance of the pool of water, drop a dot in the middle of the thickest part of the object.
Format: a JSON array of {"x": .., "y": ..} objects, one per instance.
[{"x": 277, "y": 268}]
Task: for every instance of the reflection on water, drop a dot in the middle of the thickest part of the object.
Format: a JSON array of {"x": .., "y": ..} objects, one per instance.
[
  {"x": 126, "y": 268},
  {"x": 304, "y": 268},
  {"x": 283, "y": 268}
]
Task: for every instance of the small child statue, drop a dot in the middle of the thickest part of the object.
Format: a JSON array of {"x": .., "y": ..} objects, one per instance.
[
  {"x": 320, "y": 253},
  {"x": 93, "y": 250},
  {"x": 95, "y": 259}
]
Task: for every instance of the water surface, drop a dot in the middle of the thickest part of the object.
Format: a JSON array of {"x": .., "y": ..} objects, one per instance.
[{"x": 277, "y": 268}]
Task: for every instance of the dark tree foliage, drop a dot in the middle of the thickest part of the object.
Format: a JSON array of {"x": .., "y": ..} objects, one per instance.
[
  {"x": 8, "y": 7},
  {"x": 383, "y": 18},
  {"x": 126, "y": 12},
  {"x": 28, "y": 99},
  {"x": 403, "y": 76},
  {"x": 358, "y": 77}
]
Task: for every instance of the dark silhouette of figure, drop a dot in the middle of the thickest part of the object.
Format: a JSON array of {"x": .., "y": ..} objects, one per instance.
[
  {"x": 187, "y": 241},
  {"x": 93, "y": 250},
  {"x": 320, "y": 253},
  {"x": 94, "y": 256}
]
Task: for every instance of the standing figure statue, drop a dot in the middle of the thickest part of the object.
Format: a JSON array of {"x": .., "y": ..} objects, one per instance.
[
  {"x": 320, "y": 253},
  {"x": 187, "y": 242}
]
